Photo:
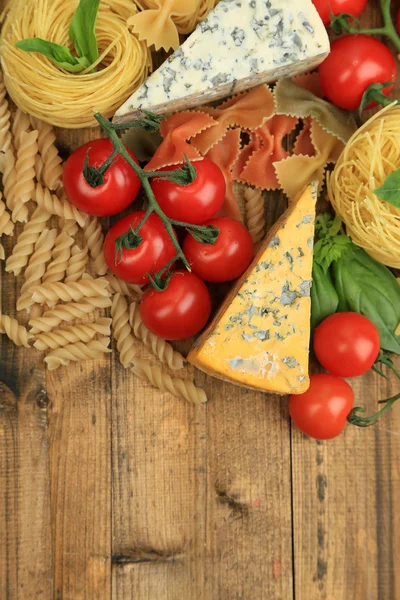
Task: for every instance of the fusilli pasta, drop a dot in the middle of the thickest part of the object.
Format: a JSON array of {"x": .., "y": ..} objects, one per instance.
[
  {"x": 51, "y": 173},
  {"x": 69, "y": 226},
  {"x": 50, "y": 293},
  {"x": 67, "y": 312},
  {"x": 117, "y": 286},
  {"x": 94, "y": 239},
  {"x": 25, "y": 175},
  {"x": 77, "y": 352},
  {"x": 61, "y": 254},
  {"x": 72, "y": 334},
  {"x": 6, "y": 225},
  {"x": 9, "y": 178},
  {"x": 255, "y": 214},
  {"x": 161, "y": 348},
  {"x": 21, "y": 124},
  {"x": 77, "y": 264},
  {"x": 2, "y": 252},
  {"x": 122, "y": 332},
  {"x": 14, "y": 331},
  {"x": 5, "y": 124},
  {"x": 56, "y": 206},
  {"x": 26, "y": 241},
  {"x": 183, "y": 388}
]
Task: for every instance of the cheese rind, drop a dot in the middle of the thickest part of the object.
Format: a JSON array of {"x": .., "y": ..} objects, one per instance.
[
  {"x": 260, "y": 336},
  {"x": 241, "y": 44}
]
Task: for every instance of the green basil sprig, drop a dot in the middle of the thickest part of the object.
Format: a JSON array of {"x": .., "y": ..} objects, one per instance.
[
  {"x": 82, "y": 34},
  {"x": 324, "y": 298}
]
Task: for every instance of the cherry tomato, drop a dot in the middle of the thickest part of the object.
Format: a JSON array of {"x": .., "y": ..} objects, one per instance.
[
  {"x": 120, "y": 187},
  {"x": 322, "y": 410},
  {"x": 346, "y": 344},
  {"x": 350, "y": 7},
  {"x": 194, "y": 203},
  {"x": 154, "y": 251},
  {"x": 354, "y": 63},
  {"x": 225, "y": 260},
  {"x": 179, "y": 311}
]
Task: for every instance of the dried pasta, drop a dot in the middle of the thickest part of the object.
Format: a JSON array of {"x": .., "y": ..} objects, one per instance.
[
  {"x": 56, "y": 206},
  {"x": 6, "y": 225},
  {"x": 117, "y": 286},
  {"x": 36, "y": 267},
  {"x": 160, "y": 348},
  {"x": 2, "y": 252},
  {"x": 61, "y": 254},
  {"x": 95, "y": 239},
  {"x": 255, "y": 214},
  {"x": 9, "y": 178},
  {"x": 39, "y": 166},
  {"x": 14, "y": 331},
  {"x": 77, "y": 352},
  {"x": 122, "y": 332},
  {"x": 26, "y": 241},
  {"x": 21, "y": 124},
  {"x": 50, "y": 293},
  {"x": 25, "y": 176},
  {"x": 183, "y": 388},
  {"x": 5, "y": 124},
  {"x": 65, "y": 99},
  {"x": 72, "y": 334},
  {"x": 69, "y": 226},
  {"x": 77, "y": 263},
  {"x": 51, "y": 172},
  {"x": 67, "y": 312}
]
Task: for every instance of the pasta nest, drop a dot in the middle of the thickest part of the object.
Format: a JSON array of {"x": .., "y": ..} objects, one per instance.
[
  {"x": 47, "y": 92},
  {"x": 370, "y": 155}
]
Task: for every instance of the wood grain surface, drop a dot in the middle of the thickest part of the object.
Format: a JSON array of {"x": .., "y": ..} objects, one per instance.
[{"x": 112, "y": 490}]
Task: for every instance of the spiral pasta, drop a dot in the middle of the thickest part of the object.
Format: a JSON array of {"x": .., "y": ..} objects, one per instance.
[
  {"x": 77, "y": 264},
  {"x": 67, "y": 313},
  {"x": 5, "y": 124},
  {"x": 26, "y": 241},
  {"x": 77, "y": 352},
  {"x": 2, "y": 252},
  {"x": 51, "y": 172},
  {"x": 160, "y": 348},
  {"x": 21, "y": 124},
  {"x": 72, "y": 334},
  {"x": 56, "y": 206},
  {"x": 36, "y": 267},
  {"x": 183, "y": 388},
  {"x": 117, "y": 286},
  {"x": 50, "y": 293},
  {"x": 65, "y": 99},
  {"x": 39, "y": 166},
  {"x": 25, "y": 175},
  {"x": 255, "y": 214},
  {"x": 68, "y": 226},
  {"x": 122, "y": 332},
  {"x": 61, "y": 254},
  {"x": 9, "y": 178},
  {"x": 14, "y": 331},
  {"x": 6, "y": 225},
  {"x": 95, "y": 239}
]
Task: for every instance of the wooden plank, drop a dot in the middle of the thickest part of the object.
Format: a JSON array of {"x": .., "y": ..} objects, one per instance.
[{"x": 25, "y": 532}]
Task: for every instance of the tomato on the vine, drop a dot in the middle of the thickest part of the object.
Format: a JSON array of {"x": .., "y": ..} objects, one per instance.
[
  {"x": 120, "y": 184},
  {"x": 346, "y": 344},
  {"x": 225, "y": 260},
  {"x": 180, "y": 310},
  {"x": 321, "y": 412},
  {"x": 154, "y": 248},
  {"x": 196, "y": 202},
  {"x": 354, "y": 63},
  {"x": 337, "y": 7}
]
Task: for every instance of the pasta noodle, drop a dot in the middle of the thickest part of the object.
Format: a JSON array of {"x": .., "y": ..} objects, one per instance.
[
  {"x": 255, "y": 214},
  {"x": 50, "y": 293},
  {"x": 77, "y": 352},
  {"x": 69, "y": 226},
  {"x": 21, "y": 124},
  {"x": 25, "y": 175},
  {"x": 122, "y": 331},
  {"x": 51, "y": 173},
  {"x": 2, "y": 252},
  {"x": 56, "y": 206},
  {"x": 26, "y": 241},
  {"x": 67, "y": 312},
  {"x": 39, "y": 166},
  {"x": 6, "y": 225},
  {"x": 77, "y": 264},
  {"x": 95, "y": 239},
  {"x": 160, "y": 348},
  {"x": 9, "y": 178},
  {"x": 5, "y": 124},
  {"x": 369, "y": 157},
  {"x": 14, "y": 331},
  {"x": 65, "y": 99},
  {"x": 183, "y": 388},
  {"x": 72, "y": 334},
  {"x": 61, "y": 253},
  {"x": 37, "y": 266},
  {"x": 117, "y": 286}
]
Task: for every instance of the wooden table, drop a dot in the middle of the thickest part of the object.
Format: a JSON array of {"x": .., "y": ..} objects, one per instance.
[{"x": 109, "y": 489}]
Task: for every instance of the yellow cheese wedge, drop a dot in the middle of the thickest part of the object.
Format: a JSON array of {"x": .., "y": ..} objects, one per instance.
[{"x": 260, "y": 336}]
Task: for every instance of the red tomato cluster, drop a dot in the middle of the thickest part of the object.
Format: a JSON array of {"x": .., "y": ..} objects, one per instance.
[{"x": 347, "y": 345}]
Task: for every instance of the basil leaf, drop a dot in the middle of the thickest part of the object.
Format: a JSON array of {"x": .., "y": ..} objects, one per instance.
[
  {"x": 369, "y": 288},
  {"x": 82, "y": 29},
  {"x": 328, "y": 250},
  {"x": 60, "y": 55},
  {"x": 390, "y": 190},
  {"x": 324, "y": 298}
]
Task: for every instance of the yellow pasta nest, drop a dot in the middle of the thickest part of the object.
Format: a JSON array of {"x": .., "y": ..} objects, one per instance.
[
  {"x": 370, "y": 155},
  {"x": 43, "y": 90}
]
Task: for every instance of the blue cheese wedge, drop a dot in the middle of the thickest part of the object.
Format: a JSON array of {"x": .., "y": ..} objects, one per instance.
[
  {"x": 241, "y": 44},
  {"x": 260, "y": 336}
]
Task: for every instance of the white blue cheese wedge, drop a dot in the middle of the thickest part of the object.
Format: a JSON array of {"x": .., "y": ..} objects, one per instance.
[
  {"x": 241, "y": 44},
  {"x": 260, "y": 336}
]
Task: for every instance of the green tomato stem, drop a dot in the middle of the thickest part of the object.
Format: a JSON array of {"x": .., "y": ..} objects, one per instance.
[{"x": 355, "y": 419}]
